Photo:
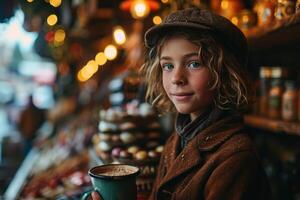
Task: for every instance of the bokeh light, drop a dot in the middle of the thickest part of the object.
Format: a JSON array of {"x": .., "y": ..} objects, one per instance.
[
  {"x": 119, "y": 35},
  {"x": 52, "y": 20},
  {"x": 100, "y": 58},
  {"x": 110, "y": 52},
  {"x": 157, "y": 20}
]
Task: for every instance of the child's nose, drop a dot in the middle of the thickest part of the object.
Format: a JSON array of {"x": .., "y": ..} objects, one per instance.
[{"x": 178, "y": 77}]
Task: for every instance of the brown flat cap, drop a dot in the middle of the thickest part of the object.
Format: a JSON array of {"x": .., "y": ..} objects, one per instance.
[{"x": 201, "y": 19}]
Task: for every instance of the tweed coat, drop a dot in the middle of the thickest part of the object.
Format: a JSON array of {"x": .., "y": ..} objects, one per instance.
[{"x": 218, "y": 163}]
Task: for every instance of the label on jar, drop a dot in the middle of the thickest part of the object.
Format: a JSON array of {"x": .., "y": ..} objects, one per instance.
[
  {"x": 289, "y": 109},
  {"x": 274, "y": 106}
]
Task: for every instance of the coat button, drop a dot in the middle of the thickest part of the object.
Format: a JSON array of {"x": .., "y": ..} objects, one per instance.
[
  {"x": 182, "y": 156},
  {"x": 207, "y": 138}
]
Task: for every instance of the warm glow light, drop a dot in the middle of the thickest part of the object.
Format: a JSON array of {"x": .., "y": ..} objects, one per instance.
[
  {"x": 59, "y": 36},
  {"x": 29, "y": 1},
  {"x": 92, "y": 67},
  {"x": 87, "y": 71},
  {"x": 235, "y": 20},
  {"x": 119, "y": 35},
  {"x": 100, "y": 58},
  {"x": 165, "y": 1},
  {"x": 84, "y": 75},
  {"x": 224, "y": 5},
  {"x": 157, "y": 20},
  {"x": 110, "y": 52},
  {"x": 80, "y": 76},
  {"x": 55, "y": 3},
  {"x": 52, "y": 20},
  {"x": 139, "y": 9},
  {"x": 245, "y": 19}
]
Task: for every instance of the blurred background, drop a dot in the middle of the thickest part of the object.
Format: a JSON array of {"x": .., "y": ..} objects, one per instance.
[{"x": 71, "y": 96}]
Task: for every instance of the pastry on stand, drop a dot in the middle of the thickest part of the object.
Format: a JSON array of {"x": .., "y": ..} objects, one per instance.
[{"x": 131, "y": 135}]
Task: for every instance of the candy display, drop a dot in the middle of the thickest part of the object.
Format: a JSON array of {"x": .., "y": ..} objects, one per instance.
[
  {"x": 69, "y": 176},
  {"x": 131, "y": 135},
  {"x": 61, "y": 168}
]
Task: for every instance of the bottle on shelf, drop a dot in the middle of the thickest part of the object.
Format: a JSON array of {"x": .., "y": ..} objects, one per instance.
[
  {"x": 285, "y": 8},
  {"x": 275, "y": 94},
  {"x": 289, "y": 102},
  {"x": 297, "y": 6},
  {"x": 265, "y": 10},
  {"x": 265, "y": 78}
]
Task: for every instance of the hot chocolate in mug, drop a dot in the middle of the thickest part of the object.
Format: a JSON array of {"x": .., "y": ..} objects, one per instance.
[{"x": 114, "y": 182}]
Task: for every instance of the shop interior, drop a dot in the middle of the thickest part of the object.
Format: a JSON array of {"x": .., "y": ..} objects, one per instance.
[{"x": 71, "y": 96}]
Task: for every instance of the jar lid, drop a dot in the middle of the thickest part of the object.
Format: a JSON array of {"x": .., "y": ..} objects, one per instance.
[
  {"x": 265, "y": 72},
  {"x": 276, "y": 72}
]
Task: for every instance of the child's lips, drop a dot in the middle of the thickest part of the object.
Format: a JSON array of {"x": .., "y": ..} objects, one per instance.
[{"x": 182, "y": 96}]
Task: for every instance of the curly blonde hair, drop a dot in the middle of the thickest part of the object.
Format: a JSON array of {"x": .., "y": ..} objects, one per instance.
[{"x": 228, "y": 75}]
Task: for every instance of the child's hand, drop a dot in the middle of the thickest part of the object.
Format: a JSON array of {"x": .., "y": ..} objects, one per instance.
[{"x": 96, "y": 196}]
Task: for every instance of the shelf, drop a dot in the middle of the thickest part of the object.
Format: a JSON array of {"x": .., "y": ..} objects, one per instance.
[
  {"x": 286, "y": 30},
  {"x": 272, "y": 44},
  {"x": 277, "y": 126}
]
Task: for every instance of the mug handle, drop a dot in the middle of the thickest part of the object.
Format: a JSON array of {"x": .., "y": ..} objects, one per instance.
[{"x": 87, "y": 194}]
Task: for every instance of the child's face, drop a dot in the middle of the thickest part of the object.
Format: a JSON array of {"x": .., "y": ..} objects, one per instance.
[{"x": 185, "y": 80}]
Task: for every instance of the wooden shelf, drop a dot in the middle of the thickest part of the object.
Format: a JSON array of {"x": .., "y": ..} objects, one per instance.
[
  {"x": 275, "y": 26},
  {"x": 277, "y": 43},
  {"x": 277, "y": 126}
]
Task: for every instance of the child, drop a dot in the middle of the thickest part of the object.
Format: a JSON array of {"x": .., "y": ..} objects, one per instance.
[{"x": 195, "y": 65}]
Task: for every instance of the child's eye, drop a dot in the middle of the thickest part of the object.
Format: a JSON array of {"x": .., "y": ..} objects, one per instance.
[
  {"x": 194, "y": 64},
  {"x": 167, "y": 66}
]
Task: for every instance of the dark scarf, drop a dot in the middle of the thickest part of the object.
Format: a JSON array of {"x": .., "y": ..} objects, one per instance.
[{"x": 188, "y": 129}]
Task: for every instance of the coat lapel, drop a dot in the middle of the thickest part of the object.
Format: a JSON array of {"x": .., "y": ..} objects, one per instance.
[
  {"x": 178, "y": 164},
  {"x": 190, "y": 156}
]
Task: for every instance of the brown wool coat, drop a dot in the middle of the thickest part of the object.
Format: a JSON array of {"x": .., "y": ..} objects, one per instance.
[{"x": 219, "y": 163}]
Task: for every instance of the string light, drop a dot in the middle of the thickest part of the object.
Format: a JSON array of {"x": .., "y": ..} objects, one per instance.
[
  {"x": 87, "y": 71},
  {"x": 52, "y": 20},
  {"x": 55, "y": 3},
  {"x": 100, "y": 58},
  {"x": 119, "y": 35},
  {"x": 157, "y": 20},
  {"x": 110, "y": 52},
  {"x": 92, "y": 67},
  {"x": 59, "y": 36}
]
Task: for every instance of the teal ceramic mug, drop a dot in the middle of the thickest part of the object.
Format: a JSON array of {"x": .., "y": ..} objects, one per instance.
[{"x": 114, "y": 182}]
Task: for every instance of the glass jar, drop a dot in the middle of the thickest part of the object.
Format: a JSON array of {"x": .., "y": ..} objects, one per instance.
[
  {"x": 264, "y": 86},
  {"x": 265, "y": 10},
  {"x": 285, "y": 8},
  {"x": 297, "y": 6},
  {"x": 274, "y": 101},
  {"x": 247, "y": 19},
  {"x": 289, "y": 102}
]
